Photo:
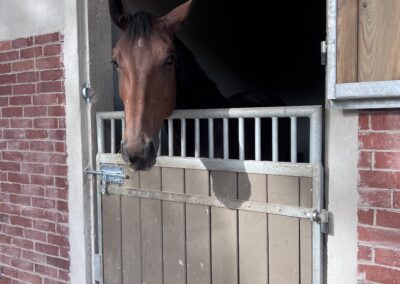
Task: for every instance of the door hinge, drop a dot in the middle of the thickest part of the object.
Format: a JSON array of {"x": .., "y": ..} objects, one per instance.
[
  {"x": 86, "y": 92},
  {"x": 324, "y": 53},
  {"x": 98, "y": 268},
  {"x": 108, "y": 174},
  {"x": 322, "y": 218}
]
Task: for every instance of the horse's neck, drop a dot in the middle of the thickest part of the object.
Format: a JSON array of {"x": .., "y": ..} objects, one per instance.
[{"x": 194, "y": 89}]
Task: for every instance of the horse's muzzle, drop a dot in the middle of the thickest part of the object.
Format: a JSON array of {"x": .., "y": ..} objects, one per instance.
[{"x": 140, "y": 160}]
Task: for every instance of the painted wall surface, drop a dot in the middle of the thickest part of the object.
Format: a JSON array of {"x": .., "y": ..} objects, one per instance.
[{"x": 20, "y": 18}]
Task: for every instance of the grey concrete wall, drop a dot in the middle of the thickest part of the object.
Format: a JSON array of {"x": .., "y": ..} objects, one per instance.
[{"x": 21, "y": 18}]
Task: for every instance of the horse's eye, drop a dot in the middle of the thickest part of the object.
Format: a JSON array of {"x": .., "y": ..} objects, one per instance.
[
  {"x": 170, "y": 60},
  {"x": 114, "y": 63}
]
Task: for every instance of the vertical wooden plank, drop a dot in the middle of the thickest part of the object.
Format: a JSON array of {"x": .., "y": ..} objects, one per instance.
[
  {"x": 198, "y": 245},
  {"x": 379, "y": 40},
  {"x": 305, "y": 233},
  {"x": 112, "y": 239},
  {"x": 283, "y": 232},
  {"x": 224, "y": 230},
  {"x": 174, "y": 246},
  {"x": 151, "y": 223},
  {"x": 131, "y": 239},
  {"x": 252, "y": 231},
  {"x": 347, "y": 44}
]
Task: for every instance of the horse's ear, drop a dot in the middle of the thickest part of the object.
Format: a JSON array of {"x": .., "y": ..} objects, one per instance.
[
  {"x": 178, "y": 16},
  {"x": 119, "y": 13}
]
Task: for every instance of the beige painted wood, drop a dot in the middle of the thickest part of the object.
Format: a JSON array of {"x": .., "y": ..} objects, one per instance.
[
  {"x": 305, "y": 233},
  {"x": 253, "y": 250},
  {"x": 283, "y": 232},
  {"x": 131, "y": 233},
  {"x": 151, "y": 225},
  {"x": 174, "y": 246},
  {"x": 379, "y": 40},
  {"x": 112, "y": 239},
  {"x": 224, "y": 230},
  {"x": 347, "y": 45},
  {"x": 198, "y": 243}
]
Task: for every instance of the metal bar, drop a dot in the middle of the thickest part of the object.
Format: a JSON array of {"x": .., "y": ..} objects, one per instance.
[
  {"x": 183, "y": 137},
  {"x": 226, "y": 138},
  {"x": 293, "y": 139},
  {"x": 99, "y": 219},
  {"x": 317, "y": 243},
  {"x": 257, "y": 134},
  {"x": 210, "y": 138},
  {"x": 241, "y": 139},
  {"x": 253, "y": 206},
  {"x": 159, "y": 143},
  {"x": 275, "y": 155},
  {"x": 170, "y": 137},
  {"x": 315, "y": 136},
  {"x": 100, "y": 134},
  {"x": 123, "y": 127},
  {"x": 197, "y": 138},
  {"x": 113, "y": 136},
  {"x": 254, "y": 167},
  {"x": 299, "y": 111}
]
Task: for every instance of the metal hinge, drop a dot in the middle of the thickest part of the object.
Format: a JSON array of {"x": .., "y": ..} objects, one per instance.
[
  {"x": 322, "y": 218},
  {"x": 324, "y": 53},
  {"x": 108, "y": 174},
  {"x": 98, "y": 268},
  {"x": 86, "y": 92}
]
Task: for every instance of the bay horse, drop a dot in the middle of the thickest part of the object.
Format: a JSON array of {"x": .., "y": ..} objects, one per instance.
[{"x": 157, "y": 74}]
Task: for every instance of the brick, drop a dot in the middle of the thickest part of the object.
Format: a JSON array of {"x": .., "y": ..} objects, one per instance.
[
  {"x": 43, "y": 203},
  {"x": 379, "y": 236},
  {"x": 18, "y": 178},
  {"x": 54, "y": 49},
  {"x": 8, "y": 79},
  {"x": 23, "y": 65},
  {"x": 42, "y": 180},
  {"x": 4, "y": 239},
  {"x": 10, "y": 187},
  {"x": 5, "y": 45},
  {"x": 52, "y": 75},
  {"x": 379, "y": 179},
  {"x": 396, "y": 199},
  {"x": 33, "y": 212},
  {"x": 21, "y": 100},
  {"x": 45, "y": 270},
  {"x": 36, "y": 134},
  {"x": 62, "y": 206},
  {"x": 57, "y": 135},
  {"x": 17, "y": 145},
  {"x": 24, "y": 89},
  {"x": 35, "y": 235},
  {"x": 380, "y": 141},
  {"x": 10, "y": 167},
  {"x": 36, "y": 157},
  {"x": 22, "y": 42},
  {"x": 45, "y": 123},
  {"x": 59, "y": 147},
  {"x": 61, "y": 241},
  {"x": 31, "y": 52},
  {"x": 45, "y": 99},
  {"x": 33, "y": 256},
  {"x": 64, "y": 275},
  {"x": 20, "y": 199},
  {"x": 50, "y": 87},
  {"x": 62, "y": 123},
  {"x": 49, "y": 63},
  {"x": 387, "y": 257},
  {"x": 4, "y": 102},
  {"x": 44, "y": 146},
  {"x": 44, "y": 226},
  {"x": 11, "y": 251},
  {"x": 53, "y": 37},
  {"x": 56, "y": 193},
  {"x": 5, "y": 68},
  {"x": 58, "y": 159},
  {"x": 9, "y": 56},
  {"x": 61, "y": 182},
  {"x": 364, "y": 159},
  {"x": 32, "y": 189},
  {"x": 21, "y": 264},
  {"x": 30, "y": 278},
  {"x": 22, "y": 243},
  {"x": 55, "y": 170},
  {"x": 385, "y": 120},
  {"x": 5, "y": 90},
  {"x": 62, "y": 218},
  {"x": 12, "y": 112},
  {"x": 10, "y": 272},
  {"x": 10, "y": 209},
  {"x": 380, "y": 274},
  {"x": 21, "y": 221},
  {"x": 62, "y": 229},
  {"x": 56, "y": 111},
  {"x": 4, "y": 123},
  {"x": 26, "y": 77},
  {"x": 35, "y": 111},
  {"x": 32, "y": 168},
  {"x": 364, "y": 253},
  {"x": 388, "y": 219},
  {"x": 47, "y": 249},
  {"x": 57, "y": 262},
  {"x": 21, "y": 123},
  {"x": 13, "y": 231},
  {"x": 387, "y": 160}
]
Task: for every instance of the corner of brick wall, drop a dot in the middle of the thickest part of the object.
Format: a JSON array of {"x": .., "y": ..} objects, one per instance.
[
  {"x": 379, "y": 197},
  {"x": 34, "y": 246}
]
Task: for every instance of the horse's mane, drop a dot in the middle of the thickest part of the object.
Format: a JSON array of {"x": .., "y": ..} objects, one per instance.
[{"x": 140, "y": 26}]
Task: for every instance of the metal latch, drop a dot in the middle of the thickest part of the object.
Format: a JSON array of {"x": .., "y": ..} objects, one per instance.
[
  {"x": 108, "y": 174},
  {"x": 86, "y": 92},
  {"x": 324, "y": 53},
  {"x": 322, "y": 218}
]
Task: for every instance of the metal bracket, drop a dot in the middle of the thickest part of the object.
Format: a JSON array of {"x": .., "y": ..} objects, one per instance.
[
  {"x": 86, "y": 92},
  {"x": 98, "y": 267},
  {"x": 322, "y": 218},
  {"x": 108, "y": 174},
  {"x": 324, "y": 53}
]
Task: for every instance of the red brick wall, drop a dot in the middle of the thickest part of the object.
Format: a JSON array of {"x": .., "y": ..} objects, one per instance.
[
  {"x": 34, "y": 246},
  {"x": 379, "y": 197}
]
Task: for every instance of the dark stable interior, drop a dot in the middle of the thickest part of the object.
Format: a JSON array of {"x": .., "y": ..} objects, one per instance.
[{"x": 270, "y": 47}]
